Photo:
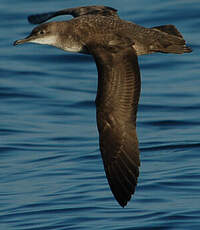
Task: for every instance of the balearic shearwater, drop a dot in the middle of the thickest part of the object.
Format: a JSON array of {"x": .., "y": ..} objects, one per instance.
[{"x": 114, "y": 44}]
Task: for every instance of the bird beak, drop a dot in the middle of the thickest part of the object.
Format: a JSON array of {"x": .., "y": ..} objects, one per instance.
[{"x": 24, "y": 40}]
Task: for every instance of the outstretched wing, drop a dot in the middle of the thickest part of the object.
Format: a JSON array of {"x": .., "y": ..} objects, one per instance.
[
  {"x": 75, "y": 12},
  {"x": 117, "y": 99}
]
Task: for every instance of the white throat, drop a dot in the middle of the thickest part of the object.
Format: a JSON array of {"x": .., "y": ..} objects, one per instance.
[
  {"x": 48, "y": 40},
  {"x": 53, "y": 40}
]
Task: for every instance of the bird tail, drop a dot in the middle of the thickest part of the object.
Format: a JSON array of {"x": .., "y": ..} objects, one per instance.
[{"x": 174, "y": 43}]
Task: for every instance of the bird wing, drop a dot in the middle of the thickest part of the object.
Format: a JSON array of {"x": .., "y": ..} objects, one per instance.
[
  {"x": 116, "y": 103},
  {"x": 75, "y": 12}
]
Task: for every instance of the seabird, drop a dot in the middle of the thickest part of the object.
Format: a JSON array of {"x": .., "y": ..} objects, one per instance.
[{"x": 114, "y": 44}]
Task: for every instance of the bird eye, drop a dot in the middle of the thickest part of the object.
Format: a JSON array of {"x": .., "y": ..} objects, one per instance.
[{"x": 41, "y": 32}]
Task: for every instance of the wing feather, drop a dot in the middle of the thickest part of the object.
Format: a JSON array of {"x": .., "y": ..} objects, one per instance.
[
  {"x": 117, "y": 99},
  {"x": 75, "y": 12}
]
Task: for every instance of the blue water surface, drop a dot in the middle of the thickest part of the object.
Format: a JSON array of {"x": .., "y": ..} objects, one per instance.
[{"x": 51, "y": 172}]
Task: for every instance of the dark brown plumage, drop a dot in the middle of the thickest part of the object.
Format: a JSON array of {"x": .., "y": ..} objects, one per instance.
[
  {"x": 117, "y": 99},
  {"x": 114, "y": 44}
]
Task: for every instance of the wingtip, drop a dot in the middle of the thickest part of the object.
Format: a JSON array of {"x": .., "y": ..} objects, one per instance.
[
  {"x": 32, "y": 19},
  {"x": 123, "y": 204},
  {"x": 40, "y": 18}
]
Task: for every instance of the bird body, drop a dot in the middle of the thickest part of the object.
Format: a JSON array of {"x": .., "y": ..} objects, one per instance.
[{"x": 114, "y": 44}]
